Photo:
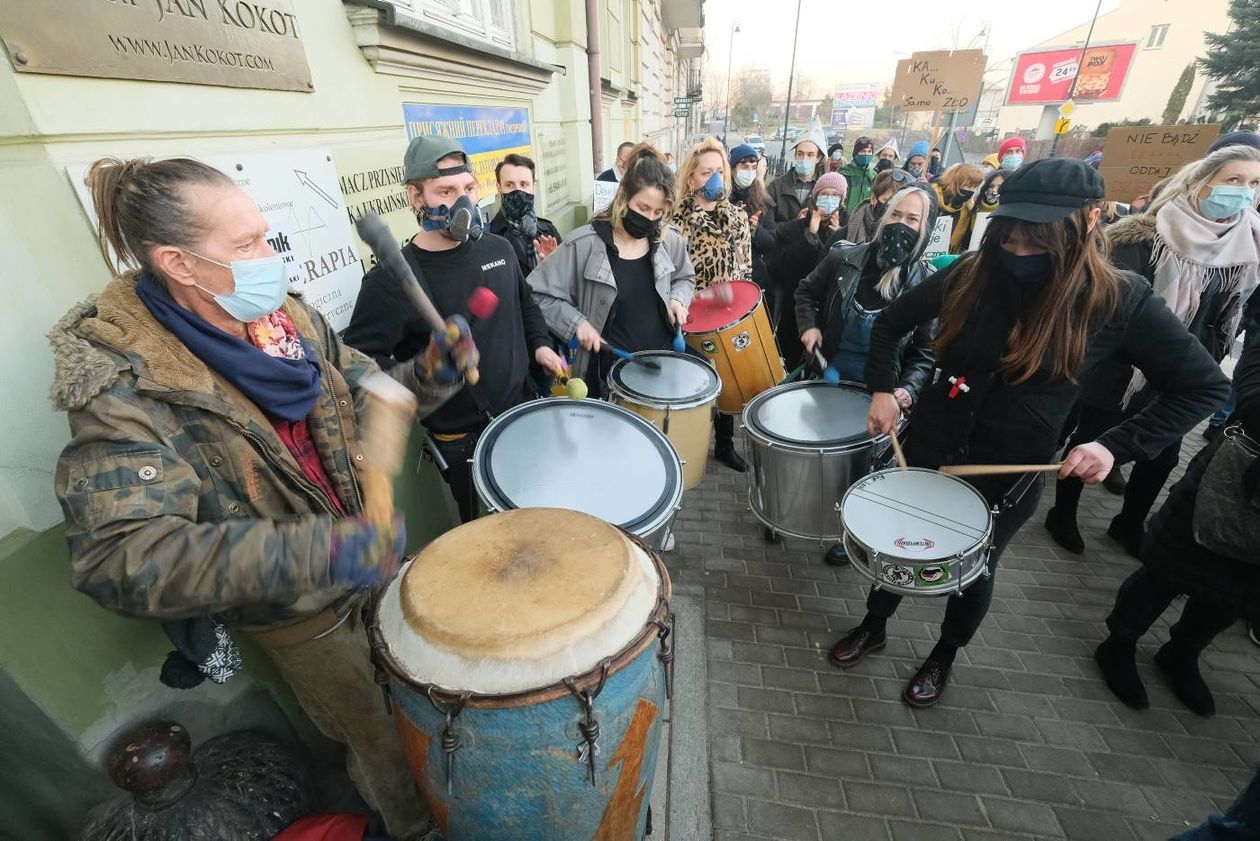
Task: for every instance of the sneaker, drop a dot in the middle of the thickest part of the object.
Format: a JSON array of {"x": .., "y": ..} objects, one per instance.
[{"x": 1065, "y": 531}]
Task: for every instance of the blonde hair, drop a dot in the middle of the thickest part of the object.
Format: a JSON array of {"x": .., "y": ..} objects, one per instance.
[
  {"x": 692, "y": 162},
  {"x": 887, "y": 284},
  {"x": 645, "y": 170},
  {"x": 1190, "y": 180}
]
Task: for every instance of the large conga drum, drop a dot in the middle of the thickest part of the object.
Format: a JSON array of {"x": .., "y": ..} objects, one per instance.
[
  {"x": 676, "y": 394},
  {"x": 584, "y": 455},
  {"x": 525, "y": 657},
  {"x": 729, "y": 325}
]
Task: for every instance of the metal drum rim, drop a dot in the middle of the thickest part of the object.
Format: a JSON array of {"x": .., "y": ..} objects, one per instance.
[
  {"x": 765, "y": 438},
  {"x": 649, "y": 522},
  {"x": 948, "y": 589},
  {"x": 629, "y": 395},
  {"x": 761, "y": 295},
  {"x": 629, "y": 653}
]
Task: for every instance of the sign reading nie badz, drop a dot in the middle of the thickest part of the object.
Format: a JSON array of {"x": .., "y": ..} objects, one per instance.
[{"x": 235, "y": 43}]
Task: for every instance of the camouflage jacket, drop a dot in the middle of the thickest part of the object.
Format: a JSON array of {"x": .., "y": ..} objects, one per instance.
[{"x": 180, "y": 499}]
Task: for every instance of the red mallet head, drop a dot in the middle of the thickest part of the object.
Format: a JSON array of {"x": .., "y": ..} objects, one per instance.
[{"x": 482, "y": 303}]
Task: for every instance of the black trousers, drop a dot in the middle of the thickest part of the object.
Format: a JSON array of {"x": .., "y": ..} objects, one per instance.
[
  {"x": 964, "y": 613},
  {"x": 1146, "y": 479},
  {"x": 1143, "y": 598},
  {"x": 458, "y": 474}
]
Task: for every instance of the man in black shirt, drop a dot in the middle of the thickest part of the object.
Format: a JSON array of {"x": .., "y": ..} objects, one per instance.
[
  {"x": 613, "y": 173},
  {"x": 450, "y": 261},
  {"x": 532, "y": 237}
]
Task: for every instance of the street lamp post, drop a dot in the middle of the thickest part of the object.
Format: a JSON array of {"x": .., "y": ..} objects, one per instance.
[
  {"x": 1054, "y": 144},
  {"x": 730, "y": 54},
  {"x": 787, "y": 108}
]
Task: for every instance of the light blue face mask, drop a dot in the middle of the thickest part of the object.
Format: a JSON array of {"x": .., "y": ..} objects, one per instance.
[
  {"x": 260, "y": 287},
  {"x": 715, "y": 187},
  {"x": 828, "y": 204},
  {"x": 1227, "y": 201},
  {"x": 804, "y": 168},
  {"x": 1012, "y": 161}
]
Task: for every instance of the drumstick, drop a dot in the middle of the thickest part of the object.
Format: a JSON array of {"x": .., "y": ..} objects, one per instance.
[
  {"x": 896, "y": 445},
  {"x": 997, "y": 469},
  {"x": 625, "y": 354},
  {"x": 374, "y": 232}
]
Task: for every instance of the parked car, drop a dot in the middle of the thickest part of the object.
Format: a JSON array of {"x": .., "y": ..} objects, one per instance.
[{"x": 755, "y": 141}]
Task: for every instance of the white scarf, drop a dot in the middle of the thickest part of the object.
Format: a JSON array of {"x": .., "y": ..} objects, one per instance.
[{"x": 1189, "y": 250}]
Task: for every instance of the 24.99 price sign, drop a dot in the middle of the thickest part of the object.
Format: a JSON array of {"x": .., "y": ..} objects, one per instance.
[{"x": 1046, "y": 76}]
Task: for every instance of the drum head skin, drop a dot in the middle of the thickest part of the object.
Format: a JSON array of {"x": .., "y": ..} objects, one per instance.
[
  {"x": 813, "y": 413},
  {"x": 584, "y": 455},
  {"x": 517, "y": 601},
  {"x": 721, "y": 305},
  {"x": 680, "y": 380},
  {"x": 918, "y": 515}
]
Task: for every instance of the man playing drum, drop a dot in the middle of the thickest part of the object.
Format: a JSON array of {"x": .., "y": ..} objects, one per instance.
[
  {"x": 1022, "y": 320},
  {"x": 215, "y": 464}
]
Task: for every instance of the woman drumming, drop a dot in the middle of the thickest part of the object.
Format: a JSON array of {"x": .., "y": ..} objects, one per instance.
[
  {"x": 1021, "y": 321},
  {"x": 837, "y": 304},
  {"x": 719, "y": 241},
  {"x": 624, "y": 279}
]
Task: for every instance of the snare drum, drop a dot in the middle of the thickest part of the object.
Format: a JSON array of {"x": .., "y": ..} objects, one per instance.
[
  {"x": 806, "y": 443},
  {"x": 677, "y": 398},
  {"x": 584, "y": 455},
  {"x": 525, "y": 657},
  {"x": 917, "y": 532},
  {"x": 729, "y": 326}
]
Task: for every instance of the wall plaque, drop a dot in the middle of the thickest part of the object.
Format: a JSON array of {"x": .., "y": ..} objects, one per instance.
[{"x": 236, "y": 43}]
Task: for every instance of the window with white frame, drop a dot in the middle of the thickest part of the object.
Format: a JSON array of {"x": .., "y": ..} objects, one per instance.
[
  {"x": 1156, "y": 39},
  {"x": 486, "y": 20}
]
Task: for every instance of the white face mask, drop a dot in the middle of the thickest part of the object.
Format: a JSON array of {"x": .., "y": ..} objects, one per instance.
[{"x": 745, "y": 177}]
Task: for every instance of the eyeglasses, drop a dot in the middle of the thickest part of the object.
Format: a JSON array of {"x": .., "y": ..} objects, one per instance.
[{"x": 898, "y": 176}]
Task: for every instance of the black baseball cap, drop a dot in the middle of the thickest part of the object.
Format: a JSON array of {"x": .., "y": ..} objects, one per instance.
[{"x": 1049, "y": 189}]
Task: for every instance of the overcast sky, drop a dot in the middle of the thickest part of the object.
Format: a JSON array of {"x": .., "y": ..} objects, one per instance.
[{"x": 839, "y": 44}]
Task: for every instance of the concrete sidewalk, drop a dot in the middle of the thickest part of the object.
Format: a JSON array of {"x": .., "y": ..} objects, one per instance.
[{"x": 1027, "y": 742}]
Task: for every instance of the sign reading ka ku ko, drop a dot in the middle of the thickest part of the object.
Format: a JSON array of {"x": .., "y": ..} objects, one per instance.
[
  {"x": 235, "y": 43},
  {"x": 1136, "y": 158},
  {"x": 938, "y": 80}
]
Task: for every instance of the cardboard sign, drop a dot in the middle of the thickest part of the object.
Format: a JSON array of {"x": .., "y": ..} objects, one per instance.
[
  {"x": 938, "y": 243},
  {"x": 602, "y": 195},
  {"x": 1136, "y": 158},
  {"x": 939, "y": 80}
]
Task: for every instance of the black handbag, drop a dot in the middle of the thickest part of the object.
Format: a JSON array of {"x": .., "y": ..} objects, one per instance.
[{"x": 1227, "y": 507}]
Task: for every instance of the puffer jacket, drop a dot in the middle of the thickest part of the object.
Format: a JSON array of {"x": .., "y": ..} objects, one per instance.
[
  {"x": 179, "y": 497},
  {"x": 576, "y": 282},
  {"x": 823, "y": 297}
]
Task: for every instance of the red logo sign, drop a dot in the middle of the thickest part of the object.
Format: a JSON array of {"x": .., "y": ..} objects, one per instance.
[
  {"x": 921, "y": 544},
  {"x": 1046, "y": 76}
]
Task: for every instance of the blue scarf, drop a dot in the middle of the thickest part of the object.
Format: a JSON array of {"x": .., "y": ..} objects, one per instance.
[{"x": 282, "y": 388}]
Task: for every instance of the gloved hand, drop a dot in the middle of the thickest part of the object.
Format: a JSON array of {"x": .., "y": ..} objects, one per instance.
[
  {"x": 450, "y": 355},
  {"x": 361, "y": 554}
]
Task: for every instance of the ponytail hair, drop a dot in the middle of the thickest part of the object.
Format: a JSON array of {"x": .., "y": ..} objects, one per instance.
[
  {"x": 141, "y": 204},
  {"x": 645, "y": 169}
]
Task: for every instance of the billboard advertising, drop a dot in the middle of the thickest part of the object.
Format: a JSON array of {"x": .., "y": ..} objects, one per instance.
[{"x": 1044, "y": 77}]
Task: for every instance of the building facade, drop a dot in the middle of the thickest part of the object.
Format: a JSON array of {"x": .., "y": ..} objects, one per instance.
[
  {"x": 1169, "y": 37},
  {"x": 309, "y": 105}
]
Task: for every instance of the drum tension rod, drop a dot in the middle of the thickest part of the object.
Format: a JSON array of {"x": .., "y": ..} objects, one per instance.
[
  {"x": 451, "y": 741},
  {"x": 666, "y": 654},
  {"x": 376, "y": 644},
  {"x": 587, "y": 724}
]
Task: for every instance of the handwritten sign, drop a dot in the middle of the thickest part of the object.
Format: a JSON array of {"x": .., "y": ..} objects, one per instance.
[
  {"x": 1136, "y": 158},
  {"x": 603, "y": 195},
  {"x": 938, "y": 80},
  {"x": 938, "y": 243}
]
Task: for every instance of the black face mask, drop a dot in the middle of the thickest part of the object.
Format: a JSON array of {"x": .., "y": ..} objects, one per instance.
[
  {"x": 895, "y": 245},
  {"x": 880, "y": 207},
  {"x": 883, "y": 165},
  {"x": 964, "y": 196},
  {"x": 639, "y": 226},
  {"x": 1028, "y": 268}
]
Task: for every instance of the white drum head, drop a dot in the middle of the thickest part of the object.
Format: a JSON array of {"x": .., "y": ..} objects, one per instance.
[
  {"x": 917, "y": 515},
  {"x": 680, "y": 380},
  {"x": 812, "y": 413}
]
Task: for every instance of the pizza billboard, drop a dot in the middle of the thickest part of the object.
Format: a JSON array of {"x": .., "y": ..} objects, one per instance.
[{"x": 1044, "y": 77}]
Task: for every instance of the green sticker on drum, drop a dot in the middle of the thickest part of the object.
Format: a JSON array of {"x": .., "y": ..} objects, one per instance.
[
  {"x": 930, "y": 576},
  {"x": 709, "y": 346}
]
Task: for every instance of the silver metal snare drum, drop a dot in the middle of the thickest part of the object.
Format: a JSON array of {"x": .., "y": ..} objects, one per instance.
[
  {"x": 806, "y": 443},
  {"x": 583, "y": 455},
  {"x": 917, "y": 532}
]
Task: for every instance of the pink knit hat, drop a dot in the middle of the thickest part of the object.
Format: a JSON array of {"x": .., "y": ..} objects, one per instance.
[
  {"x": 1012, "y": 143},
  {"x": 831, "y": 181}
]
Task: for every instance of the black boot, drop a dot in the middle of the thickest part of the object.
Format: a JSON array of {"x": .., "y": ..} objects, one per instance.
[
  {"x": 836, "y": 556},
  {"x": 1063, "y": 529},
  {"x": 1117, "y": 659},
  {"x": 1129, "y": 534},
  {"x": 1115, "y": 481},
  {"x": 725, "y": 452},
  {"x": 1181, "y": 667}
]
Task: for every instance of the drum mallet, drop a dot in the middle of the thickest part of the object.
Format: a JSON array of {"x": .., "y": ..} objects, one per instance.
[
  {"x": 680, "y": 345},
  {"x": 998, "y": 469},
  {"x": 830, "y": 375},
  {"x": 387, "y": 421},
  {"x": 376, "y": 234},
  {"x": 574, "y": 387},
  {"x": 625, "y": 354}
]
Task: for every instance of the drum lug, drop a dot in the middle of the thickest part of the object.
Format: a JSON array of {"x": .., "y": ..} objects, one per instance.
[
  {"x": 588, "y": 725},
  {"x": 376, "y": 644},
  {"x": 666, "y": 654},
  {"x": 451, "y": 741}
]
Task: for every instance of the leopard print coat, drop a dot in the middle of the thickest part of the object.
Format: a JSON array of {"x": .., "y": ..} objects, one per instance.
[{"x": 718, "y": 241}]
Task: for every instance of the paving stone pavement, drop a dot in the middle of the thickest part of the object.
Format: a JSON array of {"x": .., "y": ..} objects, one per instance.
[{"x": 1027, "y": 742}]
